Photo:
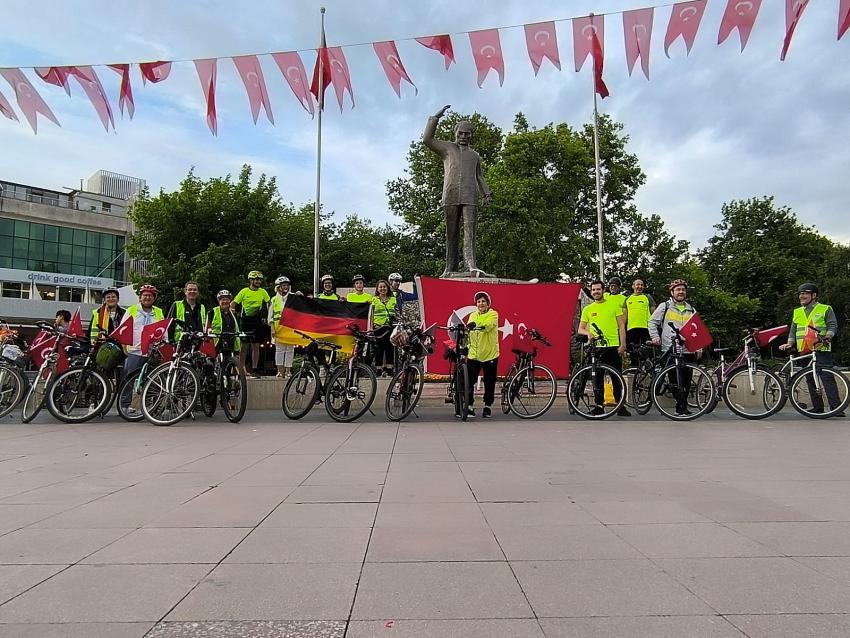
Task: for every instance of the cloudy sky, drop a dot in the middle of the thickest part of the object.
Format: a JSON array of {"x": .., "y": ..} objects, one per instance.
[{"x": 708, "y": 128}]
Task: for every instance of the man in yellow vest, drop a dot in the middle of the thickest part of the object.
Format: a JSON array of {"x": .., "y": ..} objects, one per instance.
[
  {"x": 639, "y": 308},
  {"x": 328, "y": 289},
  {"x": 821, "y": 317},
  {"x": 143, "y": 313},
  {"x": 188, "y": 310},
  {"x": 283, "y": 353}
]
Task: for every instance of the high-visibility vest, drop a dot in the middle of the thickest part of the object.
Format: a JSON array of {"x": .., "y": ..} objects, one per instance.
[
  {"x": 816, "y": 318},
  {"x": 181, "y": 316},
  {"x": 278, "y": 304},
  {"x": 328, "y": 295},
  {"x": 638, "y": 308},
  {"x": 216, "y": 327},
  {"x": 100, "y": 321},
  {"x": 133, "y": 311},
  {"x": 381, "y": 312},
  {"x": 359, "y": 297}
]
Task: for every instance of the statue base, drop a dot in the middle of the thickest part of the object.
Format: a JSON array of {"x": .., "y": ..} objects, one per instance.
[{"x": 481, "y": 276}]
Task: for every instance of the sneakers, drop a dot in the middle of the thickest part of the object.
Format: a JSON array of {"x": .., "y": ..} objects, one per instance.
[
  {"x": 623, "y": 412},
  {"x": 470, "y": 413},
  {"x": 597, "y": 411},
  {"x": 683, "y": 412},
  {"x": 485, "y": 413}
]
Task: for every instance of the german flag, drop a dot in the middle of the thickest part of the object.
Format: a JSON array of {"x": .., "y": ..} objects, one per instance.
[{"x": 321, "y": 319}]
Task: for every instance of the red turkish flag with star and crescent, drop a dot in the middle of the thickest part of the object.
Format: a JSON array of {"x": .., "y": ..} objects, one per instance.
[
  {"x": 548, "y": 308},
  {"x": 793, "y": 12},
  {"x": 123, "y": 332},
  {"x": 55, "y": 75},
  {"x": 487, "y": 54},
  {"x": 441, "y": 44},
  {"x": 154, "y": 72},
  {"x": 6, "y": 108},
  {"x": 843, "y": 18},
  {"x": 29, "y": 101},
  {"x": 696, "y": 334},
  {"x": 741, "y": 15},
  {"x": 387, "y": 53},
  {"x": 251, "y": 73},
  {"x": 292, "y": 67},
  {"x": 684, "y": 21},
  {"x": 637, "y": 33},
  {"x": 75, "y": 328},
  {"x": 541, "y": 40},
  {"x": 125, "y": 93},
  {"x": 41, "y": 346},
  {"x": 207, "y": 72},
  {"x": 583, "y": 31},
  {"x": 156, "y": 331},
  {"x": 87, "y": 78}
]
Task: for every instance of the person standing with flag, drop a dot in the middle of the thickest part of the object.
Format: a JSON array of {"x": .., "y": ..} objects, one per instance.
[
  {"x": 283, "y": 353},
  {"x": 821, "y": 318},
  {"x": 107, "y": 317},
  {"x": 328, "y": 291},
  {"x": 142, "y": 314}
]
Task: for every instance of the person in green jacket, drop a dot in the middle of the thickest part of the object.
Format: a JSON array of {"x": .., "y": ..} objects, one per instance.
[
  {"x": 383, "y": 317},
  {"x": 483, "y": 352},
  {"x": 359, "y": 295},
  {"x": 251, "y": 304}
]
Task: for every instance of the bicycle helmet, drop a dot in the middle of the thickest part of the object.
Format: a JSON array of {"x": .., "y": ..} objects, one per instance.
[
  {"x": 357, "y": 278},
  {"x": 223, "y": 293},
  {"x": 281, "y": 280},
  {"x": 148, "y": 288},
  {"x": 326, "y": 278},
  {"x": 394, "y": 276},
  {"x": 808, "y": 287},
  {"x": 677, "y": 282},
  {"x": 109, "y": 290},
  {"x": 615, "y": 280},
  {"x": 480, "y": 294},
  {"x": 255, "y": 274}
]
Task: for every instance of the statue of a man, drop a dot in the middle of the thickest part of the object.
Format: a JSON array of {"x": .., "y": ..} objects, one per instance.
[{"x": 462, "y": 183}]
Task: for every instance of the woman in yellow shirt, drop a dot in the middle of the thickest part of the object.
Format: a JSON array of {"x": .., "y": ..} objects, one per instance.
[{"x": 483, "y": 351}]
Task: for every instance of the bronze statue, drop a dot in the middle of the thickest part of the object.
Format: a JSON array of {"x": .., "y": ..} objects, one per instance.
[{"x": 462, "y": 183}]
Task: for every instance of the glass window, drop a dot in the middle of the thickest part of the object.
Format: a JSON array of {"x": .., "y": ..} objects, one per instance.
[
  {"x": 36, "y": 231},
  {"x": 65, "y": 253},
  {"x": 79, "y": 237},
  {"x": 92, "y": 239},
  {"x": 51, "y": 252},
  {"x": 5, "y": 262},
  {"x": 106, "y": 207},
  {"x": 15, "y": 290},
  {"x": 51, "y": 233},
  {"x": 36, "y": 250},
  {"x": 48, "y": 293},
  {"x": 19, "y": 262},
  {"x": 72, "y": 294},
  {"x": 79, "y": 255},
  {"x": 22, "y": 229},
  {"x": 66, "y": 235},
  {"x": 64, "y": 267},
  {"x": 21, "y": 248},
  {"x": 7, "y": 227},
  {"x": 6, "y": 246},
  {"x": 107, "y": 241}
]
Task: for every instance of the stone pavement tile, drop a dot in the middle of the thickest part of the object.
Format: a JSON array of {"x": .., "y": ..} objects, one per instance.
[
  {"x": 250, "y": 629},
  {"x": 822, "y": 508},
  {"x": 641, "y": 511},
  {"x": 444, "y": 629},
  {"x": 506, "y": 490},
  {"x": 799, "y": 538},
  {"x": 759, "y": 585},
  {"x": 558, "y": 589},
  {"x": 345, "y": 477},
  {"x": 224, "y": 506},
  {"x": 322, "y": 515},
  {"x": 54, "y": 546},
  {"x": 444, "y": 515},
  {"x": 104, "y": 593},
  {"x": 801, "y": 488},
  {"x": 750, "y": 509},
  {"x": 399, "y": 544},
  {"x": 837, "y": 567},
  {"x": 532, "y": 514},
  {"x": 434, "y": 489},
  {"x": 430, "y": 591},
  {"x": 302, "y": 545},
  {"x": 170, "y": 545},
  {"x": 13, "y": 517},
  {"x": 562, "y": 542},
  {"x": 222, "y": 465},
  {"x": 690, "y": 540},
  {"x": 469, "y": 451},
  {"x": 272, "y": 592},
  {"x": 640, "y": 627},
  {"x": 278, "y": 469},
  {"x": 360, "y": 462},
  {"x": 48, "y": 492},
  {"x": 335, "y": 494},
  {"x": 17, "y": 578},
  {"x": 794, "y": 626},
  {"x": 75, "y": 630}
]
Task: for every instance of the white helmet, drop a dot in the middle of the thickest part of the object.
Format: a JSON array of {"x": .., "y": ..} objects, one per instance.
[
  {"x": 224, "y": 293},
  {"x": 281, "y": 280},
  {"x": 394, "y": 276}
]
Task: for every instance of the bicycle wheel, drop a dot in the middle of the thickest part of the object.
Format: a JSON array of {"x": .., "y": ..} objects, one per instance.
[
  {"x": 461, "y": 397},
  {"x": 170, "y": 393},
  {"x": 301, "y": 391},
  {"x": 675, "y": 388},
  {"x": 506, "y": 406},
  {"x": 819, "y": 397},
  {"x": 753, "y": 394},
  {"x": 37, "y": 393},
  {"x": 78, "y": 395},
  {"x": 629, "y": 377},
  {"x": 586, "y": 391},
  {"x": 641, "y": 389},
  {"x": 532, "y": 392},
  {"x": 208, "y": 395},
  {"x": 129, "y": 401},
  {"x": 403, "y": 393},
  {"x": 234, "y": 390},
  {"x": 11, "y": 389},
  {"x": 347, "y": 399}
]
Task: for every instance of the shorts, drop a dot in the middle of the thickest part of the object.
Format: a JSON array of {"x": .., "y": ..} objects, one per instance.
[
  {"x": 283, "y": 355},
  {"x": 251, "y": 325}
]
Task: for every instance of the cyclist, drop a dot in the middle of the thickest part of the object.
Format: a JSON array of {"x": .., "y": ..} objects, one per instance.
[
  {"x": 61, "y": 321},
  {"x": 400, "y": 295},
  {"x": 678, "y": 311},
  {"x": 383, "y": 312},
  {"x": 483, "y": 352},
  {"x": 143, "y": 313},
  {"x": 283, "y": 353},
  {"x": 609, "y": 317},
  {"x": 328, "y": 289},
  {"x": 223, "y": 319},
  {"x": 189, "y": 310},
  {"x": 639, "y": 308},
  {"x": 106, "y": 318},
  {"x": 251, "y": 303},
  {"x": 821, "y": 317},
  {"x": 615, "y": 291},
  {"x": 359, "y": 295}
]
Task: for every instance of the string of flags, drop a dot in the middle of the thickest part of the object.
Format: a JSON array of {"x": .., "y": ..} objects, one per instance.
[{"x": 331, "y": 67}]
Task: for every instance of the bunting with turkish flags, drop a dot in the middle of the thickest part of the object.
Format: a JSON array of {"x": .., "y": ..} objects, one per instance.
[
  {"x": 793, "y": 12},
  {"x": 29, "y": 101},
  {"x": 843, "y": 18},
  {"x": 292, "y": 67},
  {"x": 637, "y": 34},
  {"x": 487, "y": 54},
  {"x": 441, "y": 44},
  {"x": 87, "y": 78},
  {"x": 6, "y": 108},
  {"x": 154, "y": 72},
  {"x": 541, "y": 40},
  {"x": 125, "y": 92},
  {"x": 684, "y": 22},
  {"x": 387, "y": 53},
  {"x": 251, "y": 73},
  {"x": 740, "y": 15},
  {"x": 55, "y": 75},
  {"x": 696, "y": 334},
  {"x": 207, "y": 71}
]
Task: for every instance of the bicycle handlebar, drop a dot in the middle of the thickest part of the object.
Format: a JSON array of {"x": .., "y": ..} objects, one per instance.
[{"x": 323, "y": 344}]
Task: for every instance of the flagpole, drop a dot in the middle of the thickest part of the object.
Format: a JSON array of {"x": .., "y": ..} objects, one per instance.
[
  {"x": 321, "y": 99},
  {"x": 598, "y": 177}
]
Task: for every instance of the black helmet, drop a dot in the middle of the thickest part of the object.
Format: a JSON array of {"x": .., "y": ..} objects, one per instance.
[
  {"x": 808, "y": 287},
  {"x": 358, "y": 278},
  {"x": 615, "y": 280}
]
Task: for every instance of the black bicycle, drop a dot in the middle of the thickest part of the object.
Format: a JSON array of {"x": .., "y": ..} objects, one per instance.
[
  {"x": 351, "y": 389},
  {"x": 586, "y": 388},
  {"x": 682, "y": 391},
  {"x": 529, "y": 388},
  {"x": 305, "y": 388},
  {"x": 412, "y": 344},
  {"x": 36, "y": 396},
  {"x": 457, "y": 351}
]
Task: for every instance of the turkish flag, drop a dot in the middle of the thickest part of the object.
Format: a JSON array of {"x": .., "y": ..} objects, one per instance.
[
  {"x": 548, "y": 308},
  {"x": 637, "y": 33},
  {"x": 166, "y": 350},
  {"x": 55, "y": 75},
  {"x": 207, "y": 71},
  {"x": 684, "y": 21},
  {"x": 125, "y": 94},
  {"x": 340, "y": 75},
  {"x": 598, "y": 65},
  {"x": 88, "y": 79},
  {"x": 583, "y": 32},
  {"x": 741, "y": 15},
  {"x": 154, "y": 72},
  {"x": 123, "y": 332},
  {"x": 696, "y": 334},
  {"x": 157, "y": 331},
  {"x": 29, "y": 101},
  {"x": 75, "y": 328},
  {"x": 41, "y": 346},
  {"x": 843, "y": 18},
  {"x": 6, "y": 108},
  {"x": 487, "y": 54},
  {"x": 292, "y": 68},
  {"x": 387, "y": 53},
  {"x": 541, "y": 40},
  {"x": 793, "y": 12},
  {"x": 251, "y": 73},
  {"x": 319, "y": 85},
  {"x": 442, "y": 44},
  {"x": 522, "y": 339},
  {"x": 810, "y": 341},
  {"x": 208, "y": 348}
]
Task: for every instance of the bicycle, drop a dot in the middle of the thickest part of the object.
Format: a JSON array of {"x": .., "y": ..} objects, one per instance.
[
  {"x": 457, "y": 392},
  {"x": 405, "y": 389},
  {"x": 811, "y": 383},
  {"x": 351, "y": 389},
  {"x": 681, "y": 385},
  {"x": 129, "y": 393},
  {"x": 304, "y": 388},
  {"x": 585, "y": 389},
  {"x": 36, "y": 396},
  {"x": 171, "y": 389},
  {"x": 230, "y": 381},
  {"x": 638, "y": 378},
  {"x": 12, "y": 381},
  {"x": 529, "y": 388}
]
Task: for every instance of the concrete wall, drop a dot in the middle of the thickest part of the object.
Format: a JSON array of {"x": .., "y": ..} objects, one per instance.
[{"x": 44, "y": 214}]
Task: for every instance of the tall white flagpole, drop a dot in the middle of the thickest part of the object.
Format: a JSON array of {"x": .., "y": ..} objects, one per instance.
[
  {"x": 599, "y": 219},
  {"x": 321, "y": 99}
]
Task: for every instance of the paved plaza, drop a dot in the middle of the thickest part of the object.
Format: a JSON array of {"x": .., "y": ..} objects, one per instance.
[{"x": 720, "y": 528}]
